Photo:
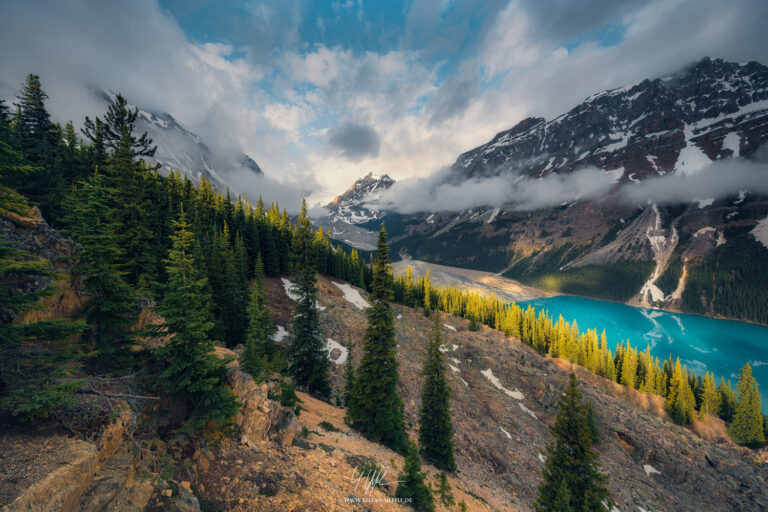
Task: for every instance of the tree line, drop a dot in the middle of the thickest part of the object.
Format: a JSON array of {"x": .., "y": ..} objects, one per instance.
[{"x": 687, "y": 394}]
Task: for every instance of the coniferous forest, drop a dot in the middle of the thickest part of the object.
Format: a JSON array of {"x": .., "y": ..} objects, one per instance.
[{"x": 199, "y": 257}]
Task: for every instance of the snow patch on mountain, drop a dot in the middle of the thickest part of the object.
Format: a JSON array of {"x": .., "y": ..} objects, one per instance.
[
  {"x": 488, "y": 374},
  {"x": 732, "y": 142},
  {"x": 351, "y": 295},
  {"x": 332, "y": 345}
]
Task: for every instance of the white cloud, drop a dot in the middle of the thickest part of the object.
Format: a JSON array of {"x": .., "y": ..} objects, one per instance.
[
  {"x": 511, "y": 190},
  {"x": 278, "y": 99}
]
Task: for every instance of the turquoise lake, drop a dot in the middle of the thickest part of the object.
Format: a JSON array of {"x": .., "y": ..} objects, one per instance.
[{"x": 703, "y": 344}]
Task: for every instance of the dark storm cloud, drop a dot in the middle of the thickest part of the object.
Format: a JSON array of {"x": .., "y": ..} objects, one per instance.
[
  {"x": 452, "y": 98},
  {"x": 354, "y": 141}
]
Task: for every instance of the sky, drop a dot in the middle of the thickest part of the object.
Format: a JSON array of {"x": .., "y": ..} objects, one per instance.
[{"x": 321, "y": 93}]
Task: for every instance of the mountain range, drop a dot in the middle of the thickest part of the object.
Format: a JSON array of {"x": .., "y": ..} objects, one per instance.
[{"x": 701, "y": 256}]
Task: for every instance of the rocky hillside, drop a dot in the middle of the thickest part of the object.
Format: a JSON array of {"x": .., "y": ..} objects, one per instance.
[
  {"x": 504, "y": 400},
  {"x": 691, "y": 257}
]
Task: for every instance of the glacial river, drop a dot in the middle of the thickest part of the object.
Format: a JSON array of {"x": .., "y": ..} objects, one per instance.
[{"x": 703, "y": 344}]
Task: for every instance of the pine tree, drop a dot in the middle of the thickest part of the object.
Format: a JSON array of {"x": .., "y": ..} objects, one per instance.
[
  {"x": 571, "y": 477},
  {"x": 435, "y": 427},
  {"x": 308, "y": 358},
  {"x": 260, "y": 350},
  {"x": 376, "y": 408},
  {"x": 193, "y": 373},
  {"x": 680, "y": 403},
  {"x": 427, "y": 295},
  {"x": 411, "y": 482},
  {"x": 36, "y": 130},
  {"x": 747, "y": 426},
  {"x": 111, "y": 309}
]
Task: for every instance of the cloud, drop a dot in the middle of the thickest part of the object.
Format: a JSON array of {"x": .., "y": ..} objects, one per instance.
[
  {"x": 721, "y": 179},
  {"x": 354, "y": 141},
  {"x": 287, "y": 195},
  {"x": 512, "y": 190},
  {"x": 451, "y": 75}
]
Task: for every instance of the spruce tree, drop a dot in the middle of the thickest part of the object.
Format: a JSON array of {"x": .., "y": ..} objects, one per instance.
[
  {"x": 747, "y": 426},
  {"x": 260, "y": 350},
  {"x": 192, "y": 373},
  {"x": 116, "y": 131},
  {"x": 411, "y": 483},
  {"x": 572, "y": 480},
  {"x": 376, "y": 408},
  {"x": 308, "y": 357},
  {"x": 435, "y": 427},
  {"x": 111, "y": 309}
]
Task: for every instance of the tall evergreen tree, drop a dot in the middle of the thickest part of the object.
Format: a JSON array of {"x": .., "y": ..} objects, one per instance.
[
  {"x": 411, "y": 483},
  {"x": 376, "y": 408},
  {"x": 572, "y": 481},
  {"x": 116, "y": 131},
  {"x": 193, "y": 373},
  {"x": 435, "y": 426},
  {"x": 35, "y": 129},
  {"x": 308, "y": 357},
  {"x": 747, "y": 425},
  {"x": 260, "y": 350},
  {"x": 111, "y": 309}
]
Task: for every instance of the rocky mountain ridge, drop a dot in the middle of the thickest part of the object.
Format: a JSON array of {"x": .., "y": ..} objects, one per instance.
[{"x": 344, "y": 214}]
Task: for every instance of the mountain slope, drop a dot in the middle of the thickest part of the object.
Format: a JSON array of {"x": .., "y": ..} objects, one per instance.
[
  {"x": 182, "y": 150},
  {"x": 500, "y": 437},
  {"x": 675, "y": 256}
]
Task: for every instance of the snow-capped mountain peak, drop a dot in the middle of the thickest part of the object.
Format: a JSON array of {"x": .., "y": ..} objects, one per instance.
[{"x": 364, "y": 189}]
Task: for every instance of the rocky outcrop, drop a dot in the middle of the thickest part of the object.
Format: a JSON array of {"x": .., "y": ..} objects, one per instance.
[
  {"x": 64, "y": 489},
  {"x": 259, "y": 418},
  {"x": 34, "y": 236}
]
